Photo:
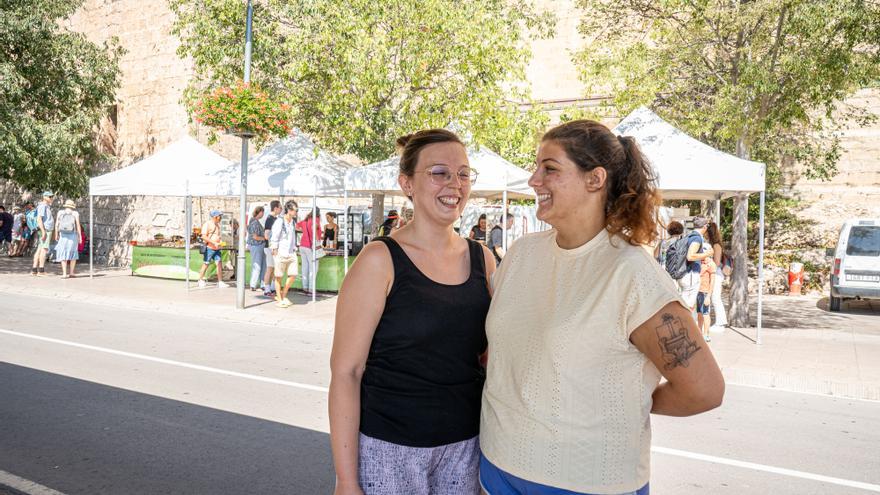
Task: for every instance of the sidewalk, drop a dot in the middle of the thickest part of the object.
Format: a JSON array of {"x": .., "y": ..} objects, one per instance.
[{"x": 805, "y": 348}]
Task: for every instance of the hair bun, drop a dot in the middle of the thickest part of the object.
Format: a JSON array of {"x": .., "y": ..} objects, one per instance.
[{"x": 403, "y": 140}]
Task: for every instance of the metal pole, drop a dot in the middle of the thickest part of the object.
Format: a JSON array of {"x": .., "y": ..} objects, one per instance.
[
  {"x": 344, "y": 230},
  {"x": 313, "y": 275},
  {"x": 760, "y": 270},
  {"x": 504, "y": 219},
  {"x": 187, "y": 234},
  {"x": 91, "y": 236},
  {"x": 242, "y": 213},
  {"x": 718, "y": 212}
]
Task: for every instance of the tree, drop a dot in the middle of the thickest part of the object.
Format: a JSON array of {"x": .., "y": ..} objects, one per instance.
[
  {"x": 360, "y": 73},
  {"x": 761, "y": 78},
  {"x": 55, "y": 86}
]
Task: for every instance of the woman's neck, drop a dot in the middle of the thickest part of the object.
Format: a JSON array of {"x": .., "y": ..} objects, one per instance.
[
  {"x": 429, "y": 236},
  {"x": 579, "y": 230}
]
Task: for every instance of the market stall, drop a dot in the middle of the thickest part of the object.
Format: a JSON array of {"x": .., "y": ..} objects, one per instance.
[{"x": 689, "y": 169}]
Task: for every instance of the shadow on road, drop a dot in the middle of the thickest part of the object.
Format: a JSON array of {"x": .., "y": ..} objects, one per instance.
[{"x": 80, "y": 437}]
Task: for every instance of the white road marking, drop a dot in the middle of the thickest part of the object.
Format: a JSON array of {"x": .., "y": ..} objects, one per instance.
[
  {"x": 26, "y": 486},
  {"x": 170, "y": 362},
  {"x": 767, "y": 469},
  {"x": 656, "y": 449}
]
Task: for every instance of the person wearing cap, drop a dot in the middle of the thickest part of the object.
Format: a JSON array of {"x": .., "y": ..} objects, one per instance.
[
  {"x": 697, "y": 251},
  {"x": 211, "y": 237},
  {"x": 388, "y": 225},
  {"x": 67, "y": 236},
  {"x": 45, "y": 226},
  {"x": 19, "y": 225}
]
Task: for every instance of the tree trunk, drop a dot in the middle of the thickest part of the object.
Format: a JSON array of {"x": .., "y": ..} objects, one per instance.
[
  {"x": 378, "y": 214},
  {"x": 739, "y": 279}
]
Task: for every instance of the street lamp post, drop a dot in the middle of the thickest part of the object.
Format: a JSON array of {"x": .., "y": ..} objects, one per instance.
[{"x": 242, "y": 213}]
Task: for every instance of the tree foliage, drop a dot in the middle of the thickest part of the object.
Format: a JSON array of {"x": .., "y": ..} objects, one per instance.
[
  {"x": 761, "y": 78},
  {"x": 360, "y": 73},
  {"x": 55, "y": 85}
]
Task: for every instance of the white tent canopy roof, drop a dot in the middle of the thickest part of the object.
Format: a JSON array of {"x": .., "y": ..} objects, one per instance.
[
  {"x": 687, "y": 168},
  {"x": 293, "y": 166},
  {"x": 183, "y": 168},
  {"x": 495, "y": 175}
]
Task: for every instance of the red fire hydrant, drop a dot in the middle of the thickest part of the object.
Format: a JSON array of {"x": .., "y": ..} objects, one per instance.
[{"x": 795, "y": 278}]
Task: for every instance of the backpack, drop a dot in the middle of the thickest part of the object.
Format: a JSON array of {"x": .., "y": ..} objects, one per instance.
[
  {"x": 66, "y": 221},
  {"x": 676, "y": 258},
  {"x": 31, "y": 219}
]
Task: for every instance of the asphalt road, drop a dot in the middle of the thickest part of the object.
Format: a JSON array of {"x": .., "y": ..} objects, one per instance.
[{"x": 97, "y": 400}]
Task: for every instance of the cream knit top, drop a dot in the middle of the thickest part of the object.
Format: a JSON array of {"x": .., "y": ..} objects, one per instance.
[{"x": 567, "y": 398}]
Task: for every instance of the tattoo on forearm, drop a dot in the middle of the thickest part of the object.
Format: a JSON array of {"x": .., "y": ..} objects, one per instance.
[{"x": 675, "y": 344}]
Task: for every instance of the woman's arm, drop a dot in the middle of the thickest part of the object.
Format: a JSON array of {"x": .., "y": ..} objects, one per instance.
[
  {"x": 358, "y": 310},
  {"x": 672, "y": 341}
]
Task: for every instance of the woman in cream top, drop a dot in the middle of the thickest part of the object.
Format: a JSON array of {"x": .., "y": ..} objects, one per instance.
[{"x": 582, "y": 326}]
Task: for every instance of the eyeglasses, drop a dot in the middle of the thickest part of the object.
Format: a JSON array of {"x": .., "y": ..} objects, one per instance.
[{"x": 441, "y": 175}]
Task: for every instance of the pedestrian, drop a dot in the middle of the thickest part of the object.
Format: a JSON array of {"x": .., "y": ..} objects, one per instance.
[
  {"x": 67, "y": 237},
  {"x": 410, "y": 327},
  {"x": 212, "y": 239},
  {"x": 697, "y": 251},
  {"x": 704, "y": 297},
  {"x": 478, "y": 231},
  {"x": 269, "y": 277},
  {"x": 495, "y": 241},
  {"x": 389, "y": 224},
  {"x": 256, "y": 242},
  {"x": 583, "y": 323},
  {"x": 310, "y": 230},
  {"x": 330, "y": 230},
  {"x": 674, "y": 232},
  {"x": 19, "y": 228},
  {"x": 283, "y": 245},
  {"x": 7, "y": 223},
  {"x": 713, "y": 236},
  {"x": 45, "y": 224},
  {"x": 31, "y": 228}
]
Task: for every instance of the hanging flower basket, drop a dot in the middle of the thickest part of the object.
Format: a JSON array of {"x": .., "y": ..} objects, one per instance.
[{"x": 243, "y": 110}]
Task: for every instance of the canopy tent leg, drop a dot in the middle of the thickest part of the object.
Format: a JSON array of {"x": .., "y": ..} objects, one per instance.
[
  {"x": 718, "y": 212},
  {"x": 760, "y": 270},
  {"x": 504, "y": 219},
  {"x": 313, "y": 272},
  {"x": 187, "y": 227},
  {"x": 346, "y": 230},
  {"x": 91, "y": 236}
]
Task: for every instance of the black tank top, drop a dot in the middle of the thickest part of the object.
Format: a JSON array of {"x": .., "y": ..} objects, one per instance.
[{"x": 423, "y": 382}]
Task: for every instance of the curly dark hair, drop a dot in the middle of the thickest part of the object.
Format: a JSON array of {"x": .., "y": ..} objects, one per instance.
[{"x": 631, "y": 193}]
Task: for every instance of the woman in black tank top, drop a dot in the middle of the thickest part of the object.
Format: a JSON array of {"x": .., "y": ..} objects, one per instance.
[{"x": 410, "y": 328}]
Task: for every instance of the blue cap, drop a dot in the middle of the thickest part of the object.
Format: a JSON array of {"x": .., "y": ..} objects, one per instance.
[
  {"x": 216, "y": 213},
  {"x": 48, "y": 194}
]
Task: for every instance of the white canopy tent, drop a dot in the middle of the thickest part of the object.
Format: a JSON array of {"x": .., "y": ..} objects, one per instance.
[
  {"x": 497, "y": 178},
  {"x": 689, "y": 169},
  {"x": 293, "y": 166}
]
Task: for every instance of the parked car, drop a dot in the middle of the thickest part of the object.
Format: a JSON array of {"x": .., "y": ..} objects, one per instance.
[{"x": 855, "y": 273}]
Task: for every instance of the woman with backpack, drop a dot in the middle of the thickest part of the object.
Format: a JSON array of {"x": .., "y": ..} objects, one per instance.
[{"x": 68, "y": 233}]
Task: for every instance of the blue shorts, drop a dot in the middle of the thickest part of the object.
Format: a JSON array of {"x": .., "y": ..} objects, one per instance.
[
  {"x": 498, "y": 482},
  {"x": 703, "y": 302},
  {"x": 211, "y": 255}
]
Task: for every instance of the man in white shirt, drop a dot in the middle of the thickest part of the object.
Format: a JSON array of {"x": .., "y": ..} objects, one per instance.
[{"x": 283, "y": 246}]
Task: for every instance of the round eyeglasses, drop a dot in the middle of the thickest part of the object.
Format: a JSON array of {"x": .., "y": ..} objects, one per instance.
[{"x": 442, "y": 175}]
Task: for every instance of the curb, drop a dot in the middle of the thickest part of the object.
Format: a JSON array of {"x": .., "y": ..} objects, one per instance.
[{"x": 802, "y": 384}]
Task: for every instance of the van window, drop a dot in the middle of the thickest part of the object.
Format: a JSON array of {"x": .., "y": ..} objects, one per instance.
[{"x": 864, "y": 241}]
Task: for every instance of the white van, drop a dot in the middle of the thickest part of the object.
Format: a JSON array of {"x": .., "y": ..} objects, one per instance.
[{"x": 855, "y": 273}]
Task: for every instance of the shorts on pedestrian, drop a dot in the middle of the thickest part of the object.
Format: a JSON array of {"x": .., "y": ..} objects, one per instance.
[
  {"x": 703, "y": 302},
  {"x": 389, "y": 469},
  {"x": 285, "y": 265},
  {"x": 494, "y": 481},
  {"x": 212, "y": 255},
  {"x": 270, "y": 260},
  {"x": 44, "y": 243},
  {"x": 689, "y": 285}
]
